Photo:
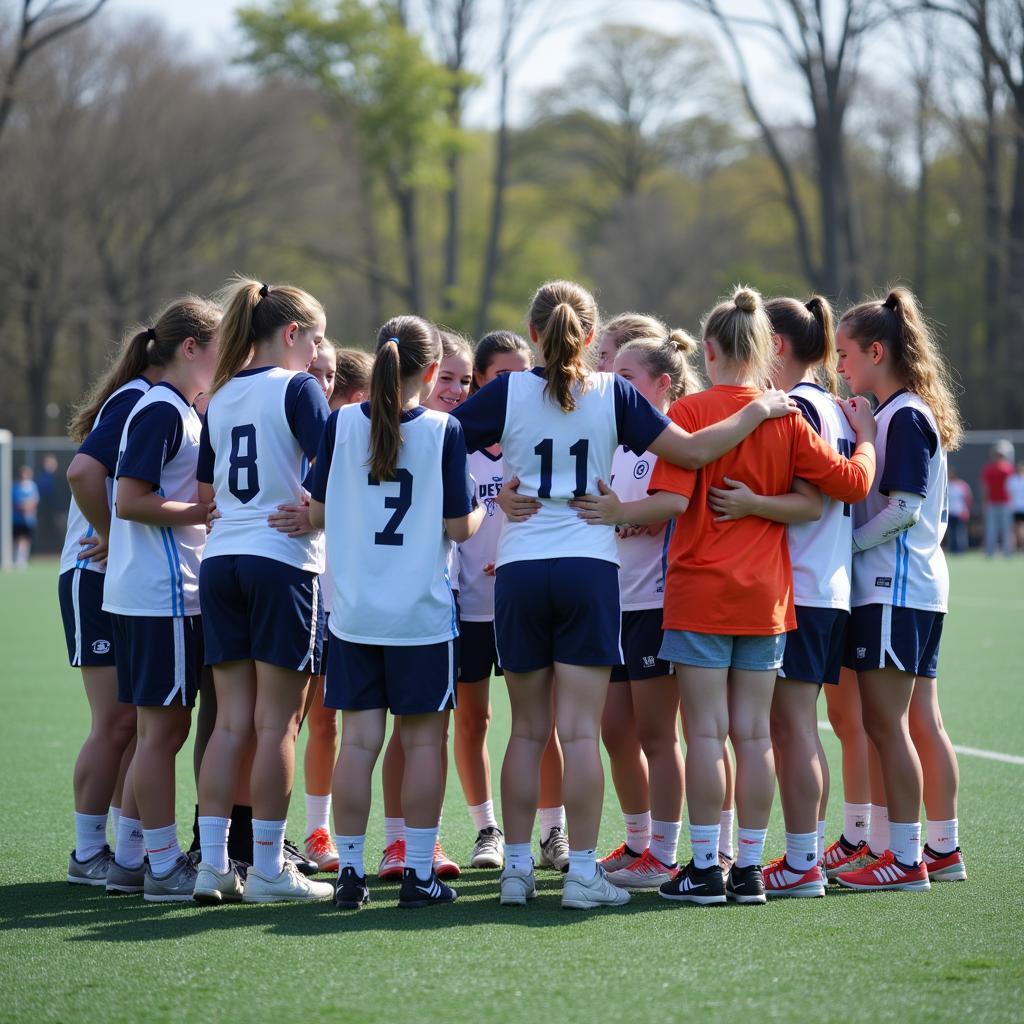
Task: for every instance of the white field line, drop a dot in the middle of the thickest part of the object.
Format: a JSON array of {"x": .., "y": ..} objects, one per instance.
[{"x": 988, "y": 755}]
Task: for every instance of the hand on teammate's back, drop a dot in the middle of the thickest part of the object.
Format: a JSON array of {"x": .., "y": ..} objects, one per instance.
[{"x": 517, "y": 507}]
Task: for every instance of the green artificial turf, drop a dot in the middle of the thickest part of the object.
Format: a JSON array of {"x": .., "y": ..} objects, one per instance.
[{"x": 72, "y": 954}]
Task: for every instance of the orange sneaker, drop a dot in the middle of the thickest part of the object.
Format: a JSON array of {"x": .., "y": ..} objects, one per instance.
[
  {"x": 945, "y": 867},
  {"x": 621, "y": 857},
  {"x": 887, "y": 873},
  {"x": 646, "y": 872},
  {"x": 780, "y": 880},
  {"x": 392, "y": 864},
  {"x": 444, "y": 866},
  {"x": 840, "y": 857},
  {"x": 321, "y": 850}
]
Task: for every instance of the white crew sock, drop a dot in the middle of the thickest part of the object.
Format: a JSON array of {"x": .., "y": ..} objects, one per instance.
[
  {"x": 268, "y": 847},
  {"x": 213, "y": 841},
  {"x": 483, "y": 815},
  {"x": 518, "y": 857},
  {"x": 801, "y": 851},
  {"x": 115, "y": 817},
  {"x": 856, "y": 820},
  {"x": 878, "y": 830},
  {"x": 131, "y": 846},
  {"x": 725, "y": 834},
  {"x": 638, "y": 831},
  {"x": 705, "y": 843},
  {"x": 350, "y": 853},
  {"x": 318, "y": 813},
  {"x": 394, "y": 828},
  {"x": 905, "y": 841},
  {"x": 419, "y": 850},
  {"x": 90, "y": 835},
  {"x": 665, "y": 841},
  {"x": 162, "y": 848},
  {"x": 944, "y": 836},
  {"x": 821, "y": 840},
  {"x": 751, "y": 846},
  {"x": 583, "y": 864},
  {"x": 550, "y": 817}
]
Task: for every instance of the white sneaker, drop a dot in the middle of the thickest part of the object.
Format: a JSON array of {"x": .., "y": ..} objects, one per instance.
[
  {"x": 517, "y": 887},
  {"x": 213, "y": 886},
  {"x": 289, "y": 885},
  {"x": 584, "y": 894}
]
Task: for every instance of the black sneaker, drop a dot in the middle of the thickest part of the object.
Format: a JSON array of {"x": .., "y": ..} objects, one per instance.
[
  {"x": 351, "y": 892},
  {"x": 415, "y": 893},
  {"x": 746, "y": 885},
  {"x": 696, "y": 885},
  {"x": 304, "y": 865}
]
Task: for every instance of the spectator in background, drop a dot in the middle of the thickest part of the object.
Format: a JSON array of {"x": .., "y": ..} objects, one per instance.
[
  {"x": 1015, "y": 486},
  {"x": 960, "y": 501},
  {"x": 24, "y": 508},
  {"x": 998, "y": 514},
  {"x": 46, "y": 481}
]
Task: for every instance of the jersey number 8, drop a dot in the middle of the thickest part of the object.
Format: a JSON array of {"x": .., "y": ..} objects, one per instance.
[{"x": 243, "y": 461}]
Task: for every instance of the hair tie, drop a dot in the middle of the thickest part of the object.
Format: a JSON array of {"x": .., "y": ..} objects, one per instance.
[
  {"x": 398, "y": 344},
  {"x": 889, "y": 303},
  {"x": 150, "y": 334},
  {"x": 264, "y": 291}
]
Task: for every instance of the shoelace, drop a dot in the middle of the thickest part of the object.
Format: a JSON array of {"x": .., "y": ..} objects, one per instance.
[
  {"x": 319, "y": 843},
  {"x": 619, "y": 851},
  {"x": 647, "y": 864},
  {"x": 394, "y": 853}
]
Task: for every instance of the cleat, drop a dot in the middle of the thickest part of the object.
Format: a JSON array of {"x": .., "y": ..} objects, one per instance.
[
  {"x": 621, "y": 857},
  {"x": 293, "y": 854},
  {"x": 444, "y": 866},
  {"x": 489, "y": 849},
  {"x": 320, "y": 849},
  {"x": 213, "y": 887},
  {"x": 392, "y": 863},
  {"x": 841, "y": 856},
  {"x": 887, "y": 873},
  {"x": 92, "y": 871},
  {"x": 945, "y": 867},
  {"x": 585, "y": 894},
  {"x": 174, "y": 887},
  {"x": 745, "y": 885},
  {"x": 517, "y": 887},
  {"x": 122, "y": 881},
  {"x": 807, "y": 884},
  {"x": 415, "y": 894},
  {"x": 554, "y": 851},
  {"x": 646, "y": 872},
  {"x": 695, "y": 885},
  {"x": 288, "y": 886},
  {"x": 725, "y": 862},
  {"x": 351, "y": 892}
]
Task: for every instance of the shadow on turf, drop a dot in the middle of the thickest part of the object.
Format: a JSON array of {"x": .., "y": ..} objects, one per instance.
[{"x": 96, "y": 917}]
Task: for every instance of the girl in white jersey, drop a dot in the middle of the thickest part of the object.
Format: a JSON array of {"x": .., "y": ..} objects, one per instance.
[
  {"x": 152, "y": 590},
  {"x": 391, "y": 487},
  {"x": 556, "y": 589},
  {"x": 901, "y": 586},
  {"x": 263, "y": 618}
]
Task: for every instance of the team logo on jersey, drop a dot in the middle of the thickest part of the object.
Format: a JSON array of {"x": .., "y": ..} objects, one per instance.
[
  {"x": 648, "y": 661},
  {"x": 883, "y": 581},
  {"x": 101, "y": 647},
  {"x": 641, "y": 469},
  {"x": 862, "y": 652},
  {"x": 489, "y": 493}
]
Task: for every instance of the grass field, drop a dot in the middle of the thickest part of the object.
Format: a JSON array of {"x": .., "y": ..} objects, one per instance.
[{"x": 70, "y": 954}]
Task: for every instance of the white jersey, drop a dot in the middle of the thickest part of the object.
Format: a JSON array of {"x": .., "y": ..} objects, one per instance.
[
  {"x": 259, "y": 463},
  {"x": 386, "y": 544},
  {"x": 641, "y": 557},
  {"x": 908, "y": 571},
  {"x": 476, "y": 591},
  {"x": 153, "y": 570},
  {"x": 821, "y": 552},
  {"x": 78, "y": 525}
]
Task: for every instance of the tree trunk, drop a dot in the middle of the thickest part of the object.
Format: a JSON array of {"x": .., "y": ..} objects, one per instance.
[
  {"x": 1013, "y": 406},
  {"x": 452, "y": 205},
  {"x": 492, "y": 258}
]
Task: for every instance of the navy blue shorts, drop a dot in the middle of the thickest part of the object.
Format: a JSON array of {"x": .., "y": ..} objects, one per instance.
[
  {"x": 159, "y": 659},
  {"x": 478, "y": 652},
  {"x": 906, "y": 638},
  {"x": 815, "y": 649},
  {"x": 557, "y": 609},
  {"x": 641, "y": 642},
  {"x": 261, "y": 609},
  {"x": 88, "y": 631},
  {"x": 413, "y": 680}
]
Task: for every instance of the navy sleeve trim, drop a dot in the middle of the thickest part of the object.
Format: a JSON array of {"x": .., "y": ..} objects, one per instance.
[
  {"x": 809, "y": 412},
  {"x": 637, "y": 422},
  {"x": 483, "y": 415},
  {"x": 148, "y": 450},
  {"x": 910, "y": 444},
  {"x": 316, "y": 483},
  {"x": 306, "y": 410},
  {"x": 207, "y": 458},
  {"x": 104, "y": 440},
  {"x": 459, "y": 494}
]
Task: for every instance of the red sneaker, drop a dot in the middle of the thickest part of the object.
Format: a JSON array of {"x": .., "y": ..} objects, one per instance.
[
  {"x": 621, "y": 857},
  {"x": 646, "y": 872},
  {"x": 945, "y": 867},
  {"x": 840, "y": 857},
  {"x": 808, "y": 884},
  {"x": 444, "y": 866},
  {"x": 321, "y": 850},
  {"x": 886, "y": 873},
  {"x": 392, "y": 864}
]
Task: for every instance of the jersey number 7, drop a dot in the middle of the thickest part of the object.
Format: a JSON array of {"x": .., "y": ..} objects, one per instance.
[{"x": 400, "y": 502}]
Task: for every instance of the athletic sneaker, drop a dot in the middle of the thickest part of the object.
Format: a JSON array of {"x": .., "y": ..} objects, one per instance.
[
  {"x": 696, "y": 885},
  {"x": 213, "y": 886},
  {"x": 392, "y": 863},
  {"x": 945, "y": 867},
  {"x": 621, "y": 857},
  {"x": 646, "y": 872},
  {"x": 554, "y": 851},
  {"x": 293, "y": 854},
  {"x": 320, "y": 849},
  {"x": 415, "y": 894},
  {"x": 806, "y": 884},
  {"x": 174, "y": 887},
  {"x": 489, "y": 848},
  {"x": 587, "y": 893},
  {"x": 745, "y": 885},
  {"x": 725, "y": 862},
  {"x": 517, "y": 887},
  {"x": 122, "y": 881},
  {"x": 887, "y": 873},
  {"x": 444, "y": 866},
  {"x": 351, "y": 892},
  {"x": 841, "y": 856},
  {"x": 92, "y": 871},
  {"x": 290, "y": 885}
]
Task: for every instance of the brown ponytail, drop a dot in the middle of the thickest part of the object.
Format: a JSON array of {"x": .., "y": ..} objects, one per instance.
[
  {"x": 564, "y": 315},
  {"x": 188, "y": 317},
  {"x": 353, "y": 373},
  {"x": 406, "y": 345},
  {"x": 808, "y": 327}
]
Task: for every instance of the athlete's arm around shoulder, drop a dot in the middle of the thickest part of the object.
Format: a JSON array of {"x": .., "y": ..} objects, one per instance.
[{"x": 847, "y": 480}]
